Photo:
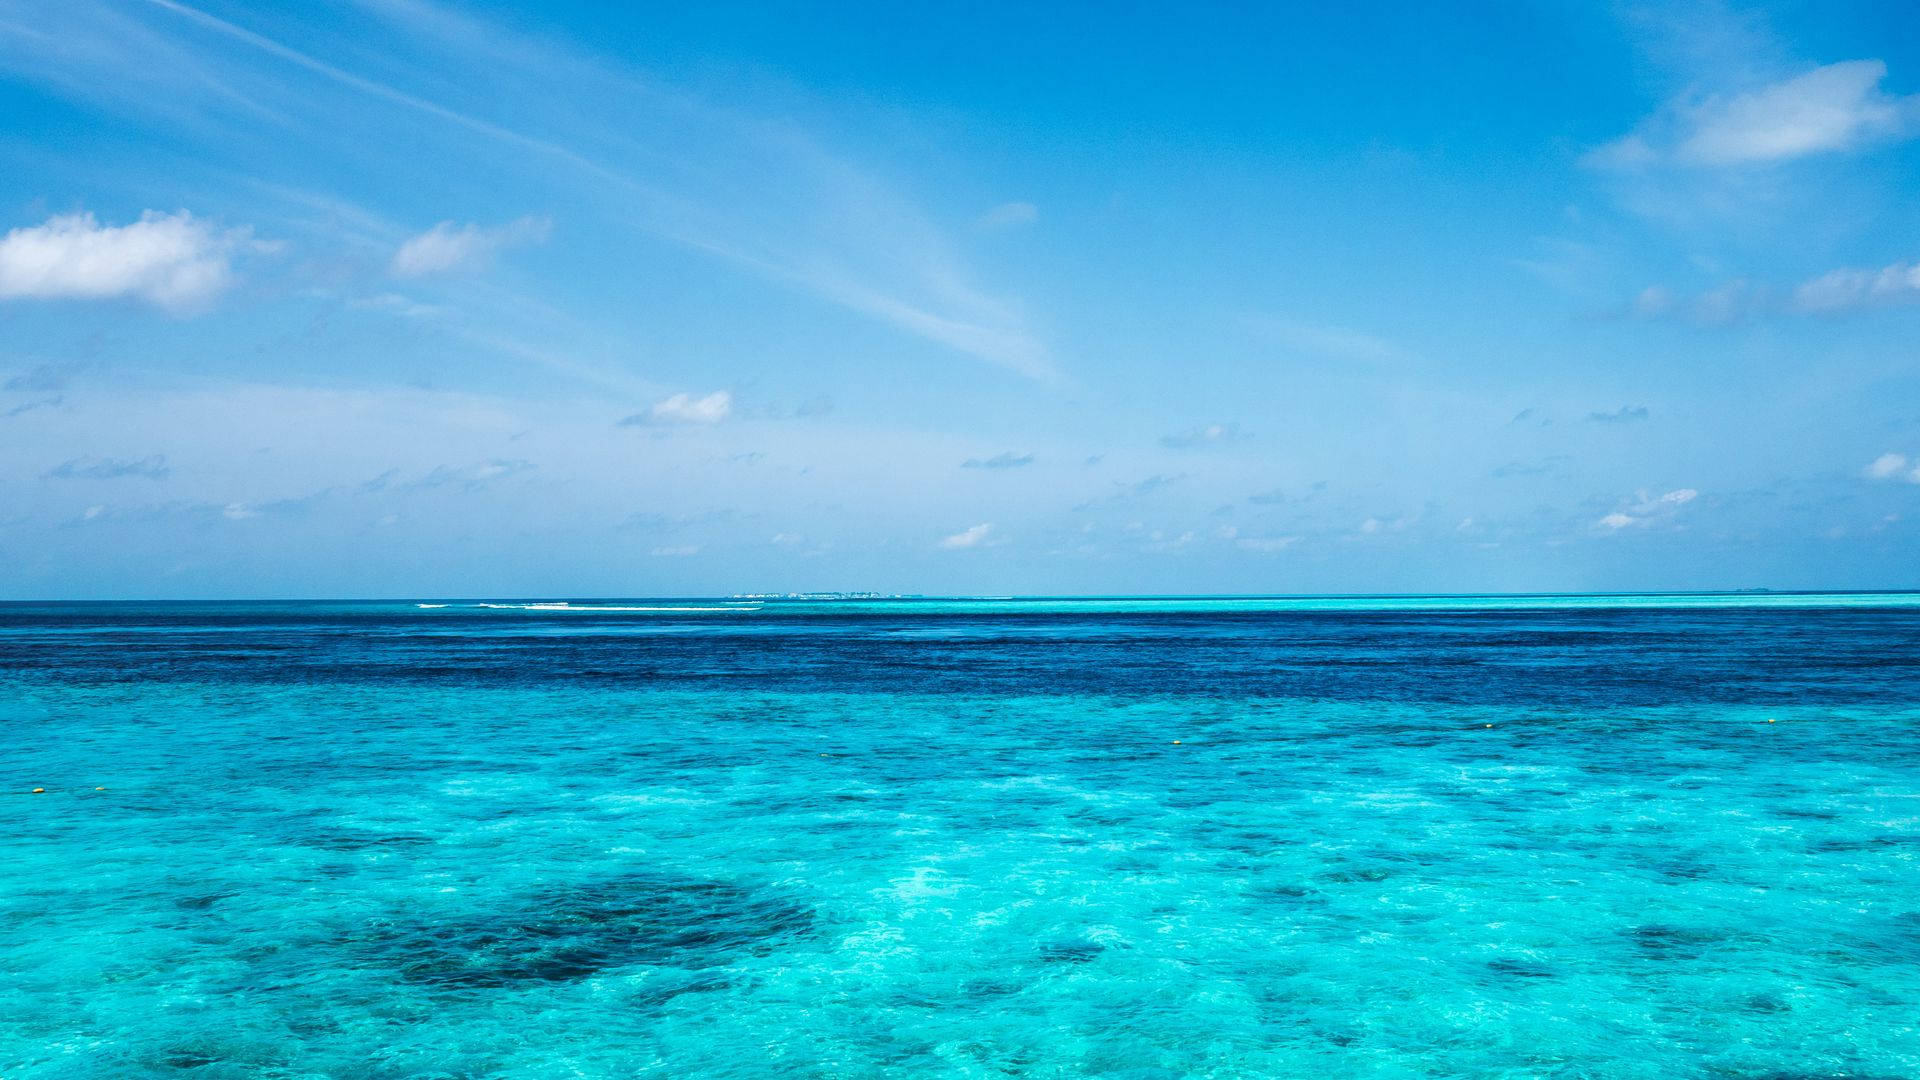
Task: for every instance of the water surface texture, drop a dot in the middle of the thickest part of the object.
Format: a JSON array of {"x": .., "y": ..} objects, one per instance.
[{"x": 1409, "y": 837}]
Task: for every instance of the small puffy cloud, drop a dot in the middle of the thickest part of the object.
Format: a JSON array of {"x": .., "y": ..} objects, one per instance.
[
  {"x": 1625, "y": 414},
  {"x": 152, "y": 467},
  {"x": 1850, "y": 289},
  {"x": 1010, "y": 214},
  {"x": 787, "y": 539},
  {"x": 1004, "y": 460},
  {"x": 1266, "y": 544},
  {"x": 238, "y": 512},
  {"x": 448, "y": 248},
  {"x": 973, "y": 536},
  {"x": 1648, "y": 509},
  {"x": 1894, "y": 467},
  {"x": 1827, "y": 110},
  {"x": 174, "y": 261},
  {"x": 1206, "y": 435},
  {"x": 681, "y": 409}
]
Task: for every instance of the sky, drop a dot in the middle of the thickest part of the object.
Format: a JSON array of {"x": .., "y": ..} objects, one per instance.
[{"x": 397, "y": 298}]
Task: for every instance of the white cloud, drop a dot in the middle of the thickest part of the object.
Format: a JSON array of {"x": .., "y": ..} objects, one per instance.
[
  {"x": 448, "y": 247},
  {"x": 1887, "y": 465},
  {"x": 677, "y": 552},
  {"x": 1829, "y": 109},
  {"x": 174, "y": 261},
  {"x": 1266, "y": 544},
  {"x": 970, "y": 537},
  {"x": 1206, "y": 435},
  {"x": 1846, "y": 289},
  {"x": 686, "y": 409},
  {"x": 1649, "y": 509},
  {"x": 1894, "y": 467},
  {"x": 1009, "y": 214}
]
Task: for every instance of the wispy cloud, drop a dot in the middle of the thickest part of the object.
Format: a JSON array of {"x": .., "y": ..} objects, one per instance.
[
  {"x": 152, "y": 467},
  {"x": 475, "y": 476},
  {"x": 450, "y": 248},
  {"x": 747, "y": 186},
  {"x": 1625, "y": 414},
  {"x": 972, "y": 536},
  {"x": 685, "y": 409},
  {"x": 1829, "y": 109},
  {"x": 1851, "y": 289},
  {"x": 1837, "y": 292},
  {"x": 1004, "y": 460},
  {"x": 1203, "y": 436},
  {"x": 174, "y": 261},
  {"x": 1648, "y": 510}
]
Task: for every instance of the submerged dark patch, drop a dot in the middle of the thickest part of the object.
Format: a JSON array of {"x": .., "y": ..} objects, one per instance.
[
  {"x": 1070, "y": 952},
  {"x": 563, "y": 935}
]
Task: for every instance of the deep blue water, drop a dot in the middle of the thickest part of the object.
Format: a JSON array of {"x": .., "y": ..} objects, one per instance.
[{"x": 1558, "y": 837}]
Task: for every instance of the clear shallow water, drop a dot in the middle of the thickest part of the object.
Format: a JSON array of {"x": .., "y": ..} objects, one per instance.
[{"x": 957, "y": 838}]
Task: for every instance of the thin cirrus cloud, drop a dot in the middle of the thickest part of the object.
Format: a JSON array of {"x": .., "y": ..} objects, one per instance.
[
  {"x": 1829, "y": 109},
  {"x": 789, "y": 209},
  {"x": 1004, "y": 460},
  {"x": 151, "y": 467},
  {"x": 684, "y": 409},
  {"x": 176, "y": 262},
  {"x": 448, "y": 248}
]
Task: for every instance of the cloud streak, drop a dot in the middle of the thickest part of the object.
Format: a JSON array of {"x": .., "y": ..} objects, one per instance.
[
  {"x": 449, "y": 248},
  {"x": 1830, "y": 109},
  {"x": 152, "y": 467}
]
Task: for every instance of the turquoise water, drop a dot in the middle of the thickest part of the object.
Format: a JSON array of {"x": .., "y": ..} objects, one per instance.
[{"x": 963, "y": 838}]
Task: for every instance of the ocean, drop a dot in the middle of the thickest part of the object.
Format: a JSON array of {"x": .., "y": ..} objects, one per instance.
[{"x": 1567, "y": 837}]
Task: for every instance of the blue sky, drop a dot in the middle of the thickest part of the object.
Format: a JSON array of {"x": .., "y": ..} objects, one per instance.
[{"x": 396, "y": 298}]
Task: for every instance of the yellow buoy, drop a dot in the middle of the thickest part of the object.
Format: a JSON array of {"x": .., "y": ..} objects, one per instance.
[
  {"x": 99, "y": 789},
  {"x": 39, "y": 791},
  {"x": 1489, "y": 725},
  {"x": 1176, "y": 742},
  {"x": 1771, "y": 720}
]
